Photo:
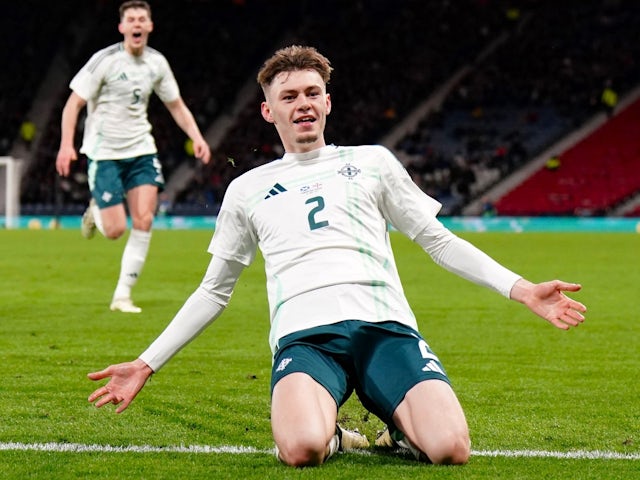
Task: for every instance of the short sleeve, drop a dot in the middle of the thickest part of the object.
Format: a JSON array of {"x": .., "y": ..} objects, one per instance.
[
  {"x": 166, "y": 87},
  {"x": 87, "y": 82}
]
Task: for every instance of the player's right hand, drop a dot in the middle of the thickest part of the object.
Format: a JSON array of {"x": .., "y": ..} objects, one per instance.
[{"x": 126, "y": 380}]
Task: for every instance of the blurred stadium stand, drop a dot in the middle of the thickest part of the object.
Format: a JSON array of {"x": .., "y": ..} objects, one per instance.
[
  {"x": 596, "y": 174},
  {"x": 467, "y": 93}
]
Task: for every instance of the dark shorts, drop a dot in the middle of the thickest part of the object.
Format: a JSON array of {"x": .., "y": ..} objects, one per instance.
[
  {"x": 380, "y": 361},
  {"x": 110, "y": 180}
]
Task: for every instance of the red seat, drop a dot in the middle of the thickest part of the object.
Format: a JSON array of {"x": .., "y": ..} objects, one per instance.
[{"x": 597, "y": 173}]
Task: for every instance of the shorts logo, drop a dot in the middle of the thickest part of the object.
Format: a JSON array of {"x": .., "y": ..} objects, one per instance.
[
  {"x": 283, "y": 364},
  {"x": 432, "y": 366},
  {"x": 431, "y": 359},
  {"x": 106, "y": 196}
]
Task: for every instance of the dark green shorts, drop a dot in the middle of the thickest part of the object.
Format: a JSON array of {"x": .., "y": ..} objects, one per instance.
[
  {"x": 380, "y": 361},
  {"x": 110, "y": 180}
]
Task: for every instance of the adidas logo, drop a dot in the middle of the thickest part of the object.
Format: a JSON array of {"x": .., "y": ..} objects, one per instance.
[
  {"x": 432, "y": 366},
  {"x": 275, "y": 190},
  {"x": 123, "y": 76}
]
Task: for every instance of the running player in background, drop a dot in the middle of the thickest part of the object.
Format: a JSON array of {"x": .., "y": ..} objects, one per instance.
[
  {"x": 339, "y": 317},
  {"x": 115, "y": 86}
]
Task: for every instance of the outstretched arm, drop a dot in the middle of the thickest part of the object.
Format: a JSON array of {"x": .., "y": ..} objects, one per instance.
[
  {"x": 199, "y": 311},
  {"x": 547, "y": 300},
  {"x": 127, "y": 379}
]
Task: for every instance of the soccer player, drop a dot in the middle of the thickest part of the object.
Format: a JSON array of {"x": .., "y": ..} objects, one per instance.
[
  {"x": 339, "y": 318},
  {"x": 116, "y": 85}
]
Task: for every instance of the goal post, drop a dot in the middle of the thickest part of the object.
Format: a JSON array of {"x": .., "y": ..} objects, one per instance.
[{"x": 10, "y": 201}]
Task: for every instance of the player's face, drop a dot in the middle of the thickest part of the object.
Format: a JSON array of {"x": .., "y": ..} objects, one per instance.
[
  {"x": 297, "y": 104},
  {"x": 136, "y": 27}
]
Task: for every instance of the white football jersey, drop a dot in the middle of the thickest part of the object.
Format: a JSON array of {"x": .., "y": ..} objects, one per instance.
[
  {"x": 321, "y": 221},
  {"x": 117, "y": 87}
]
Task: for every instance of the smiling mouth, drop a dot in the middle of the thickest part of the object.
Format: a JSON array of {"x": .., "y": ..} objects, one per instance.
[{"x": 305, "y": 120}]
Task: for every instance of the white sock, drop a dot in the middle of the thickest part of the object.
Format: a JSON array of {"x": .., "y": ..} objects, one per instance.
[
  {"x": 334, "y": 445},
  {"x": 97, "y": 218},
  {"x": 133, "y": 258},
  {"x": 405, "y": 443}
]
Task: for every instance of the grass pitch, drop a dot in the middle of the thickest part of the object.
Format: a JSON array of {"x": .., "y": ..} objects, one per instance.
[{"x": 528, "y": 389}]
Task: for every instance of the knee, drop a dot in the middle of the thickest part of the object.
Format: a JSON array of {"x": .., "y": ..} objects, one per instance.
[
  {"x": 302, "y": 453},
  {"x": 143, "y": 222},
  {"x": 114, "y": 231},
  {"x": 453, "y": 450}
]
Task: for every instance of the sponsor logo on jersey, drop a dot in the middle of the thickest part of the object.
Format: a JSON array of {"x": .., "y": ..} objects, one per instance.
[
  {"x": 275, "y": 190},
  {"x": 349, "y": 171},
  {"x": 312, "y": 188}
]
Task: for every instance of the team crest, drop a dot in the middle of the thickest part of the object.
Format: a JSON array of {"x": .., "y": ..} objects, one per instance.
[{"x": 349, "y": 171}]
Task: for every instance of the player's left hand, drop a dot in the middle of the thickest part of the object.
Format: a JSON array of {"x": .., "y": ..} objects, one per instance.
[
  {"x": 547, "y": 300},
  {"x": 202, "y": 151}
]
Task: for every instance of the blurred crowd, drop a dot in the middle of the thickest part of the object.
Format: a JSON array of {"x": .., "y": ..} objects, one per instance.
[
  {"x": 546, "y": 78},
  {"x": 552, "y": 74}
]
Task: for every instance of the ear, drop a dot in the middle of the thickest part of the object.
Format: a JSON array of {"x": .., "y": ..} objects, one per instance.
[
  {"x": 328, "y": 100},
  {"x": 120, "y": 28},
  {"x": 150, "y": 27},
  {"x": 266, "y": 112}
]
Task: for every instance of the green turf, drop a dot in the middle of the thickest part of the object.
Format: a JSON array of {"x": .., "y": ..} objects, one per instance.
[{"x": 524, "y": 384}]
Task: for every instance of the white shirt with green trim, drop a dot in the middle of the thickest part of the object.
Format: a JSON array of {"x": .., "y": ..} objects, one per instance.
[
  {"x": 117, "y": 87},
  {"x": 321, "y": 220}
]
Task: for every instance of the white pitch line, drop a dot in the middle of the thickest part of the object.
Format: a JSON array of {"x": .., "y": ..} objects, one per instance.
[
  {"x": 575, "y": 454},
  {"x": 82, "y": 448},
  {"x": 239, "y": 450}
]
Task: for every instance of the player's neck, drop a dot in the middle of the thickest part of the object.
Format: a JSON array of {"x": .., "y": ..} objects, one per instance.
[
  {"x": 134, "y": 51},
  {"x": 301, "y": 147}
]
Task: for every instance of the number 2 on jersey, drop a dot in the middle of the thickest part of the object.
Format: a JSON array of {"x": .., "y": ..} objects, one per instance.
[{"x": 313, "y": 222}]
